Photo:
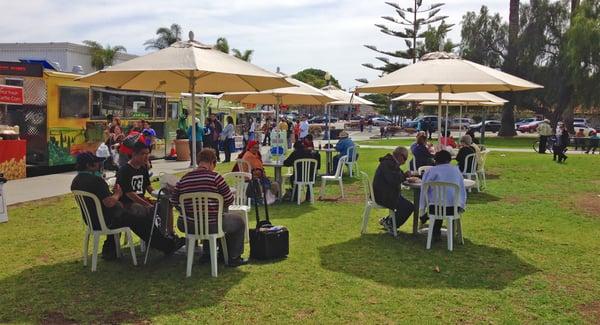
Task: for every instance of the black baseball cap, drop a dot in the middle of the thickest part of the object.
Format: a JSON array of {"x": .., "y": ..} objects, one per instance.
[{"x": 84, "y": 158}]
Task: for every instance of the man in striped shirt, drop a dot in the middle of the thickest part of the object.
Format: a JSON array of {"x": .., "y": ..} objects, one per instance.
[{"x": 205, "y": 179}]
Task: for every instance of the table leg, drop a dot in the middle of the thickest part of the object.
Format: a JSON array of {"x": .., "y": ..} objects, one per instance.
[
  {"x": 279, "y": 180},
  {"x": 329, "y": 159},
  {"x": 416, "y": 198}
]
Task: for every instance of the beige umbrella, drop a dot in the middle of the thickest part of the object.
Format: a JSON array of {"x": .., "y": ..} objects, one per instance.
[
  {"x": 344, "y": 98},
  {"x": 187, "y": 66},
  {"x": 442, "y": 72}
]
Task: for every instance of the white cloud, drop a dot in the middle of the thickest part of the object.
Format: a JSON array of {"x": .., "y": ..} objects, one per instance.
[{"x": 292, "y": 34}]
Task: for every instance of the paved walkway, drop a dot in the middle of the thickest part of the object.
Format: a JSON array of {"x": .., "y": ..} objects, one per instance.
[{"x": 529, "y": 150}]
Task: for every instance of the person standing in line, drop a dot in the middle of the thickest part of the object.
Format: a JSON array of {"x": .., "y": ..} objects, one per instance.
[
  {"x": 304, "y": 127},
  {"x": 266, "y": 130},
  {"x": 562, "y": 141},
  {"x": 199, "y": 137},
  {"x": 297, "y": 131},
  {"x": 544, "y": 130},
  {"x": 251, "y": 129},
  {"x": 361, "y": 123},
  {"x": 289, "y": 132},
  {"x": 227, "y": 138}
]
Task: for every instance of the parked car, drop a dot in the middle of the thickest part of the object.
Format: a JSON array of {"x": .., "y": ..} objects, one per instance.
[
  {"x": 490, "y": 126},
  {"x": 431, "y": 119},
  {"x": 529, "y": 128},
  {"x": 381, "y": 121},
  {"x": 585, "y": 127},
  {"x": 321, "y": 120},
  {"x": 464, "y": 122},
  {"x": 525, "y": 121},
  {"x": 580, "y": 120},
  {"x": 356, "y": 118}
]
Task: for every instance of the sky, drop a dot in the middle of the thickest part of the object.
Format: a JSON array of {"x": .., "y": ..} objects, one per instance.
[{"x": 290, "y": 34}]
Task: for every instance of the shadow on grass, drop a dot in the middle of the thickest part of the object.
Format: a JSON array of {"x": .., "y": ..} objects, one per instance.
[
  {"x": 481, "y": 198},
  {"x": 285, "y": 209},
  {"x": 117, "y": 292},
  {"x": 404, "y": 262}
]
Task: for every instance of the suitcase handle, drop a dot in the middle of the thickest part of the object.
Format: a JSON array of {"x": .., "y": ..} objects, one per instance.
[{"x": 256, "y": 184}]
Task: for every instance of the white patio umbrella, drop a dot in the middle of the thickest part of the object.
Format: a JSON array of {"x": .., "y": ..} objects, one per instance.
[
  {"x": 442, "y": 72},
  {"x": 343, "y": 98},
  {"x": 187, "y": 66}
]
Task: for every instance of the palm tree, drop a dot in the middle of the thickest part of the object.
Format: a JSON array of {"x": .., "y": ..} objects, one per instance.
[
  {"x": 222, "y": 45},
  {"x": 246, "y": 55},
  {"x": 103, "y": 56},
  {"x": 166, "y": 37}
]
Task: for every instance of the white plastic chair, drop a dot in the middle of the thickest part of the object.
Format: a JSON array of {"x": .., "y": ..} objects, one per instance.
[
  {"x": 439, "y": 191},
  {"x": 481, "y": 168},
  {"x": 370, "y": 204},
  {"x": 352, "y": 153},
  {"x": 199, "y": 203},
  {"x": 244, "y": 165},
  {"x": 413, "y": 164},
  {"x": 80, "y": 198},
  {"x": 470, "y": 171},
  {"x": 305, "y": 177},
  {"x": 337, "y": 177},
  {"x": 423, "y": 169},
  {"x": 237, "y": 181}
]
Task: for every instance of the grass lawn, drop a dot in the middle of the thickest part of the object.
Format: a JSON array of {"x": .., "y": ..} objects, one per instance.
[
  {"x": 530, "y": 256},
  {"x": 492, "y": 142}
]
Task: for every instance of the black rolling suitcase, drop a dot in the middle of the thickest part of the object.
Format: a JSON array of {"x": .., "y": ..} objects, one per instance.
[{"x": 266, "y": 240}]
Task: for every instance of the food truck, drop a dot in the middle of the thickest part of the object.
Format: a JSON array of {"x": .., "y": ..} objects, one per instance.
[{"x": 61, "y": 117}]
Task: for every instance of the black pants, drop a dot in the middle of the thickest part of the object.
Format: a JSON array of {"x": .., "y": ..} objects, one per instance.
[
  {"x": 559, "y": 151},
  {"x": 593, "y": 146},
  {"x": 227, "y": 146},
  {"x": 266, "y": 139},
  {"x": 403, "y": 209},
  {"x": 140, "y": 224},
  {"x": 199, "y": 146},
  {"x": 543, "y": 143}
]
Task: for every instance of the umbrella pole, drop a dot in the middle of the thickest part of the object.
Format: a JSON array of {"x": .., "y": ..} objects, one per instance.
[
  {"x": 327, "y": 125},
  {"x": 193, "y": 108},
  {"x": 460, "y": 121},
  {"x": 446, "y": 123},
  {"x": 439, "y": 120}
]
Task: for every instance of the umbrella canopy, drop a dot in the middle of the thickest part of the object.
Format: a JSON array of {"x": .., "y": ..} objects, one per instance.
[
  {"x": 345, "y": 98},
  {"x": 476, "y": 98},
  {"x": 300, "y": 94},
  {"x": 187, "y": 66}
]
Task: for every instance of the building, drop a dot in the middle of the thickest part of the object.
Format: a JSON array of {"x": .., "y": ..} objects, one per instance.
[{"x": 64, "y": 56}]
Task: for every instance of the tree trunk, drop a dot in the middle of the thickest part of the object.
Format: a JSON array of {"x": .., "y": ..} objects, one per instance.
[{"x": 510, "y": 64}]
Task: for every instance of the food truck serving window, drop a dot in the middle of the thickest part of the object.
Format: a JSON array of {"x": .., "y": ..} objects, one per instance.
[
  {"x": 127, "y": 104},
  {"x": 74, "y": 102}
]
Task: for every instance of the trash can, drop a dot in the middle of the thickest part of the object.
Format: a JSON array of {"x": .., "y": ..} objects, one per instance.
[
  {"x": 183, "y": 149},
  {"x": 3, "y": 209}
]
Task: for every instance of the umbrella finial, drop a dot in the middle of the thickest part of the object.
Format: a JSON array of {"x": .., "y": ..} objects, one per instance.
[{"x": 191, "y": 36}]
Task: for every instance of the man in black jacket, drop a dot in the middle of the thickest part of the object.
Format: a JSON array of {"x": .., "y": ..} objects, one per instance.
[
  {"x": 301, "y": 152},
  {"x": 386, "y": 188}
]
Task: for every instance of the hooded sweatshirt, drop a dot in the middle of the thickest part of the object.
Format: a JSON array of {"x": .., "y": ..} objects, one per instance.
[{"x": 386, "y": 184}]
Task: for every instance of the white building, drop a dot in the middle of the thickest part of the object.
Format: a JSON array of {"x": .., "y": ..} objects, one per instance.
[{"x": 68, "y": 56}]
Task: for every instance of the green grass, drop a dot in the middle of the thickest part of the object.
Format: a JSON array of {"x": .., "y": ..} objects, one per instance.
[
  {"x": 530, "y": 256},
  {"x": 492, "y": 142}
]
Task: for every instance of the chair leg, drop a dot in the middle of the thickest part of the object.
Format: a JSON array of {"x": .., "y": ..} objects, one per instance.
[
  {"x": 294, "y": 190},
  {"x": 392, "y": 215},
  {"x": 459, "y": 231},
  {"x": 450, "y": 233},
  {"x": 95, "y": 252},
  {"x": 299, "y": 193},
  {"x": 357, "y": 170},
  {"x": 477, "y": 182},
  {"x": 117, "y": 238},
  {"x": 312, "y": 193},
  {"x": 484, "y": 179},
  {"x": 322, "y": 191},
  {"x": 131, "y": 247},
  {"x": 225, "y": 252},
  {"x": 430, "y": 232},
  {"x": 366, "y": 213},
  {"x": 247, "y": 234},
  {"x": 212, "y": 240},
  {"x": 86, "y": 241},
  {"x": 142, "y": 246},
  {"x": 342, "y": 187},
  {"x": 190, "y": 245}
]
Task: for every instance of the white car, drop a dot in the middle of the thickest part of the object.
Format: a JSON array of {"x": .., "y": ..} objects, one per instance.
[
  {"x": 586, "y": 129},
  {"x": 381, "y": 121},
  {"x": 461, "y": 123}
]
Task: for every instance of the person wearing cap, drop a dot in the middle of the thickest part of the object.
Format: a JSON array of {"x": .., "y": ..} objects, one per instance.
[
  {"x": 342, "y": 147},
  {"x": 544, "y": 130},
  {"x": 199, "y": 137},
  {"x": 89, "y": 179}
]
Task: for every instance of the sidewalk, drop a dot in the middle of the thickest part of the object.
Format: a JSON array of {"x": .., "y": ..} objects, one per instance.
[
  {"x": 41, "y": 187},
  {"x": 529, "y": 150}
]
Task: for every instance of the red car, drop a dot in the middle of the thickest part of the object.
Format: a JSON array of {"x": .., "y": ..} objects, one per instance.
[{"x": 529, "y": 128}]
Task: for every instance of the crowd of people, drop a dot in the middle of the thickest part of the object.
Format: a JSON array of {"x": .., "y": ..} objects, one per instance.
[{"x": 560, "y": 140}]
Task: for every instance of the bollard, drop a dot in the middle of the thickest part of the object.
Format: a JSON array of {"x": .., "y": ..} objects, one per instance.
[{"x": 3, "y": 209}]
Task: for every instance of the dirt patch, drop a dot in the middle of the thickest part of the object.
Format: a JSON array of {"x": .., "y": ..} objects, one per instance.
[
  {"x": 120, "y": 317},
  {"x": 588, "y": 203},
  {"x": 513, "y": 199},
  {"x": 303, "y": 314},
  {"x": 353, "y": 193},
  {"x": 591, "y": 311},
  {"x": 56, "y": 318},
  {"x": 491, "y": 176}
]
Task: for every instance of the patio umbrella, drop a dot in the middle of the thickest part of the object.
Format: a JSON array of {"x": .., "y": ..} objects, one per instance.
[
  {"x": 344, "y": 98},
  {"x": 442, "y": 72},
  {"x": 187, "y": 66}
]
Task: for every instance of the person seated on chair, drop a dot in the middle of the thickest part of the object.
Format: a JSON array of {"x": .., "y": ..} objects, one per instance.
[
  {"x": 89, "y": 179},
  {"x": 342, "y": 147},
  {"x": 134, "y": 178},
  {"x": 421, "y": 153},
  {"x": 448, "y": 140},
  {"x": 254, "y": 157},
  {"x": 310, "y": 146},
  {"x": 386, "y": 188},
  {"x": 466, "y": 149},
  {"x": 300, "y": 152},
  {"x": 443, "y": 171},
  {"x": 205, "y": 179}
]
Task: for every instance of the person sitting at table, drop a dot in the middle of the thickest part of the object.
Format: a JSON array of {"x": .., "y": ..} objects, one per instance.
[
  {"x": 89, "y": 179},
  {"x": 465, "y": 149},
  {"x": 308, "y": 142},
  {"x": 471, "y": 132},
  {"x": 134, "y": 178},
  {"x": 443, "y": 171},
  {"x": 205, "y": 179},
  {"x": 300, "y": 152},
  {"x": 580, "y": 139},
  {"x": 386, "y": 188},
  {"x": 421, "y": 154},
  {"x": 448, "y": 140},
  {"x": 342, "y": 147},
  {"x": 254, "y": 157},
  {"x": 593, "y": 142}
]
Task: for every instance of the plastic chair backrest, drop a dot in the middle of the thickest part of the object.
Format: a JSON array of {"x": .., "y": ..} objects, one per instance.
[
  {"x": 439, "y": 195},
  {"x": 244, "y": 165},
  {"x": 413, "y": 164},
  {"x": 199, "y": 203},
  {"x": 351, "y": 153},
  {"x": 339, "y": 171},
  {"x": 368, "y": 186},
  {"x": 423, "y": 169},
  {"x": 483, "y": 159},
  {"x": 80, "y": 198},
  {"x": 470, "y": 163},
  {"x": 238, "y": 180},
  {"x": 302, "y": 171}
]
